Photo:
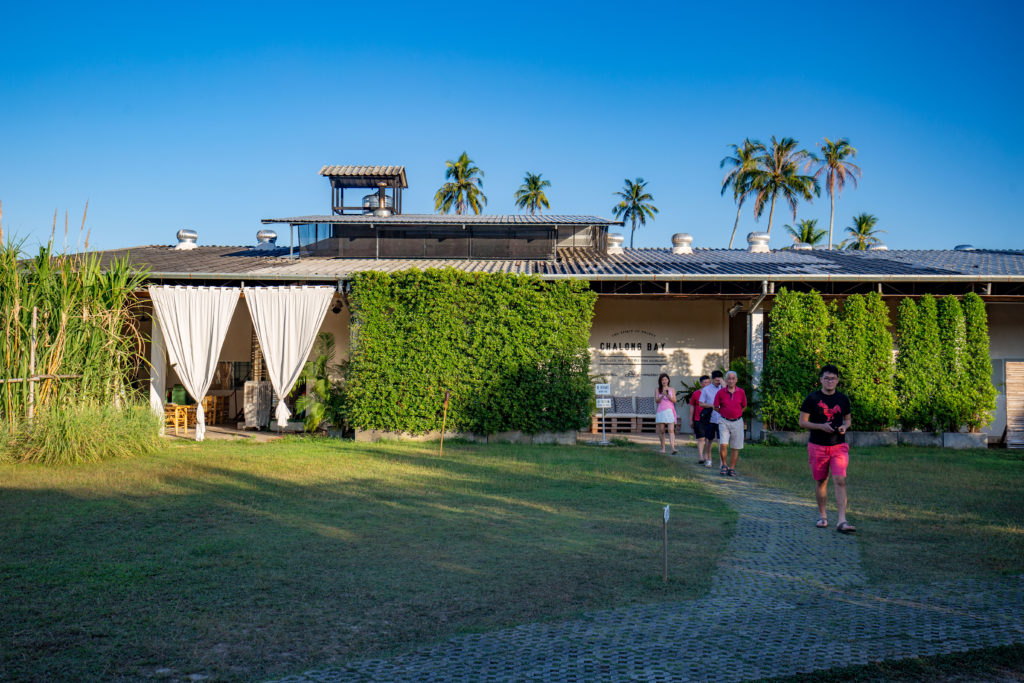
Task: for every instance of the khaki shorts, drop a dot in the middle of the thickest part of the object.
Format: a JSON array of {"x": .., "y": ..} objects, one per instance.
[{"x": 731, "y": 432}]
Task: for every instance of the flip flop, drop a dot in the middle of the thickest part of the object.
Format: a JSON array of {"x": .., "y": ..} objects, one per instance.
[
  {"x": 845, "y": 528},
  {"x": 821, "y": 523},
  {"x": 675, "y": 452}
]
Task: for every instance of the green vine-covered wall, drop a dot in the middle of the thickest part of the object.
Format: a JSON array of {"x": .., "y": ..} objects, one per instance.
[{"x": 512, "y": 351}]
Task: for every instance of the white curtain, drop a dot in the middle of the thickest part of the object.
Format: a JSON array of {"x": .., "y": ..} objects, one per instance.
[
  {"x": 286, "y": 320},
  {"x": 194, "y": 322},
  {"x": 158, "y": 372}
]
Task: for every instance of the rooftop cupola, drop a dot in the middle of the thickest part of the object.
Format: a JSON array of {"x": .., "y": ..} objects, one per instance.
[{"x": 387, "y": 183}]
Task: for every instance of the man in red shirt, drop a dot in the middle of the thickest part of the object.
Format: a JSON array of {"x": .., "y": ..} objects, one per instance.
[
  {"x": 698, "y": 427},
  {"x": 730, "y": 402}
]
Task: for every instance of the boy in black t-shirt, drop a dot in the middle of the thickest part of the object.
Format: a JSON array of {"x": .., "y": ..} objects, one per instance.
[{"x": 826, "y": 413}]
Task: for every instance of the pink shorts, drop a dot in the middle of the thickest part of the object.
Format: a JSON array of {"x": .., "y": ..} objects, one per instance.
[{"x": 824, "y": 457}]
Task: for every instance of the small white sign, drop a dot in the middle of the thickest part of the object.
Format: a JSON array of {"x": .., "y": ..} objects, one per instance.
[
  {"x": 604, "y": 403},
  {"x": 666, "y": 513},
  {"x": 603, "y": 389}
]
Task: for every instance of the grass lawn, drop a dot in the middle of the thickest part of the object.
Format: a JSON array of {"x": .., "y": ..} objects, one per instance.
[
  {"x": 244, "y": 561},
  {"x": 922, "y": 514}
]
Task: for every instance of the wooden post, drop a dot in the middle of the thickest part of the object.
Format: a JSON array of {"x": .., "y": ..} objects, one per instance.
[
  {"x": 444, "y": 418},
  {"x": 32, "y": 366},
  {"x": 664, "y": 546}
]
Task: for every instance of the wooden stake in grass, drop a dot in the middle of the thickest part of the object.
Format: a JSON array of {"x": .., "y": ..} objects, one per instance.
[
  {"x": 664, "y": 546},
  {"x": 444, "y": 418}
]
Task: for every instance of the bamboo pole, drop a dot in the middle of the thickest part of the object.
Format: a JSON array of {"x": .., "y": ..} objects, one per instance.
[
  {"x": 32, "y": 365},
  {"x": 37, "y": 378}
]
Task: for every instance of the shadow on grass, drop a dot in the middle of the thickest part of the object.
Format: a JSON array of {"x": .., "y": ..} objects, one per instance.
[{"x": 253, "y": 562}]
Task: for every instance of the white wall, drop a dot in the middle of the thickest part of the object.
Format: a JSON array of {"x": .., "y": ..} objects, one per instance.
[
  {"x": 1006, "y": 335},
  {"x": 633, "y": 340}
]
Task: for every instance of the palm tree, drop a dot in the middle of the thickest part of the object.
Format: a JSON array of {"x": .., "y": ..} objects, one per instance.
[
  {"x": 741, "y": 163},
  {"x": 777, "y": 172},
  {"x": 862, "y": 233},
  {"x": 530, "y": 194},
  {"x": 463, "y": 189},
  {"x": 833, "y": 163},
  {"x": 807, "y": 231},
  {"x": 635, "y": 205}
]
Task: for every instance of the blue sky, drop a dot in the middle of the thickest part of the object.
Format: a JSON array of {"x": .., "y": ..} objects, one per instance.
[{"x": 212, "y": 116}]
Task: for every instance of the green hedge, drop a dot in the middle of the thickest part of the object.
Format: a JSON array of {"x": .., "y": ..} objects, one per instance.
[
  {"x": 799, "y": 326},
  {"x": 512, "y": 350},
  {"x": 981, "y": 394},
  {"x": 861, "y": 346},
  {"x": 944, "y": 370}
]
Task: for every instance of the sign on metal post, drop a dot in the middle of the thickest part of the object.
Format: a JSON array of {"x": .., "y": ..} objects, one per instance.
[{"x": 603, "y": 404}]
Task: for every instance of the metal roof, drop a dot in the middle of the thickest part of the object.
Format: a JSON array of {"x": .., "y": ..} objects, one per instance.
[
  {"x": 447, "y": 219},
  {"x": 353, "y": 174},
  {"x": 233, "y": 263}
]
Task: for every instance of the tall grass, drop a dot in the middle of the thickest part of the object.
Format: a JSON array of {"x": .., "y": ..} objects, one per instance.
[
  {"x": 86, "y": 327},
  {"x": 84, "y": 432}
]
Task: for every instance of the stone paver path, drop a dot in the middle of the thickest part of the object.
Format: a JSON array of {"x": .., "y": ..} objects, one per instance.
[{"x": 786, "y": 598}]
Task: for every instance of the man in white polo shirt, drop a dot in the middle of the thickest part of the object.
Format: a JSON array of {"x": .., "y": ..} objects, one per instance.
[{"x": 708, "y": 415}]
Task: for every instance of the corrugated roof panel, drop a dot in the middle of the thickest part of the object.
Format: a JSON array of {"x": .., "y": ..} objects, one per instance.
[
  {"x": 239, "y": 262},
  {"x": 440, "y": 218}
]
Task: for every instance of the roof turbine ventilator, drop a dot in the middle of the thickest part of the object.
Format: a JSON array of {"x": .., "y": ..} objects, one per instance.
[
  {"x": 681, "y": 243},
  {"x": 802, "y": 246},
  {"x": 757, "y": 243},
  {"x": 615, "y": 241},
  {"x": 878, "y": 246},
  {"x": 266, "y": 240},
  {"x": 186, "y": 239}
]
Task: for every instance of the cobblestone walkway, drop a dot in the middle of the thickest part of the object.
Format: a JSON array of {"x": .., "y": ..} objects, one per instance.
[{"x": 786, "y": 598}]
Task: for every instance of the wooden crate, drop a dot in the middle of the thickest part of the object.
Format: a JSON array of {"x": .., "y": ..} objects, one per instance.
[
  {"x": 613, "y": 424},
  {"x": 645, "y": 425}
]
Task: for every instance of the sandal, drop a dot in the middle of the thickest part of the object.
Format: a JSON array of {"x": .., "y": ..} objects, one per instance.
[
  {"x": 822, "y": 523},
  {"x": 845, "y": 528}
]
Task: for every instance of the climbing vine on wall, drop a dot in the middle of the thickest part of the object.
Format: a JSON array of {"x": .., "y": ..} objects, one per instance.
[{"x": 513, "y": 351}]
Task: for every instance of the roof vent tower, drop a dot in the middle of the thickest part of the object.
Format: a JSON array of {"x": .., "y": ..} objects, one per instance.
[
  {"x": 186, "y": 239},
  {"x": 387, "y": 181},
  {"x": 615, "y": 241},
  {"x": 681, "y": 243},
  {"x": 266, "y": 240},
  {"x": 757, "y": 243}
]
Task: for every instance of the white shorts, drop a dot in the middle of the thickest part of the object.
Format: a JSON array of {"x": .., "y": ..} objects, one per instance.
[
  {"x": 731, "y": 432},
  {"x": 666, "y": 416}
]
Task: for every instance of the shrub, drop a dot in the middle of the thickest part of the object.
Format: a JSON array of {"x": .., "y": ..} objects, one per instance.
[
  {"x": 951, "y": 409},
  {"x": 980, "y": 392},
  {"x": 512, "y": 350},
  {"x": 918, "y": 365},
  {"x": 862, "y": 349},
  {"x": 321, "y": 398},
  {"x": 85, "y": 432},
  {"x": 799, "y": 328}
]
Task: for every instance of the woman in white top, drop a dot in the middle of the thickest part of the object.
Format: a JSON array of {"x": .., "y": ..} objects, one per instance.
[{"x": 665, "y": 413}]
